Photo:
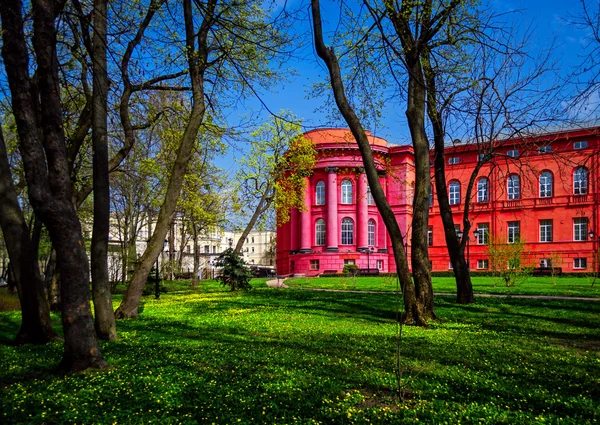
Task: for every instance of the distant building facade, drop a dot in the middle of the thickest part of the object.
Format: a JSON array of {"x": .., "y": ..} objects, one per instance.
[{"x": 542, "y": 191}]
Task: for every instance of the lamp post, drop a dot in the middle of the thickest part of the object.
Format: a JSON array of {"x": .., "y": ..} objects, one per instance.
[
  {"x": 595, "y": 256},
  {"x": 157, "y": 283},
  {"x": 460, "y": 235},
  {"x": 369, "y": 252}
]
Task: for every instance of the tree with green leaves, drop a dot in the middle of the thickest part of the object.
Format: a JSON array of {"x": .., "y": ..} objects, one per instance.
[
  {"x": 234, "y": 272},
  {"x": 274, "y": 172},
  {"x": 227, "y": 49}
]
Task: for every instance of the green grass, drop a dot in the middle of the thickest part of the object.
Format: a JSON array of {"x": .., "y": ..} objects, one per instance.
[
  {"x": 286, "y": 356},
  {"x": 561, "y": 286}
]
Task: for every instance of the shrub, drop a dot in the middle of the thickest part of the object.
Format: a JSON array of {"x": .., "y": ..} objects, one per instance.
[
  {"x": 350, "y": 270},
  {"x": 234, "y": 271}
]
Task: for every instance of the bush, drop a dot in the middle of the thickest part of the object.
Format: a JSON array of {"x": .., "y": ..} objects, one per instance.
[
  {"x": 234, "y": 271},
  {"x": 350, "y": 270}
]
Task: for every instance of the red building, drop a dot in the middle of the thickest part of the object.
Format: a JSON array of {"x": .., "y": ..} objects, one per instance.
[{"x": 543, "y": 191}]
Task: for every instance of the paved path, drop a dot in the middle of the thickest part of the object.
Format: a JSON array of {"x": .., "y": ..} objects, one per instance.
[{"x": 278, "y": 283}]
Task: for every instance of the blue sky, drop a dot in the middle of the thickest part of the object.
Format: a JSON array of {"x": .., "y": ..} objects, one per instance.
[{"x": 548, "y": 20}]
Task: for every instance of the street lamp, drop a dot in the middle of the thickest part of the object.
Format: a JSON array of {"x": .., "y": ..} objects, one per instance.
[
  {"x": 157, "y": 287},
  {"x": 460, "y": 235},
  {"x": 595, "y": 255},
  {"x": 369, "y": 252}
]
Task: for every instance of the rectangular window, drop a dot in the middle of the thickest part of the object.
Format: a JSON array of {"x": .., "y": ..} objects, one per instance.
[
  {"x": 314, "y": 264},
  {"x": 483, "y": 232},
  {"x": 580, "y": 229},
  {"x": 482, "y": 264},
  {"x": 206, "y": 249},
  {"x": 513, "y": 153},
  {"x": 430, "y": 236},
  {"x": 214, "y": 249},
  {"x": 580, "y": 263},
  {"x": 453, "y": 160},
  {"x": 370, "y": 200},
  {"x": 379, "y": 264},
  {"x": 580, "y": 145},
  {"x": 513, "y": 232},
  {"x": 545, "y": 149},
  {"x": 348, "y": 262},
  {"x": 545, "y": 230},
  {"x": 546, "y": 262},
  {"x": 480, "y": 157}
]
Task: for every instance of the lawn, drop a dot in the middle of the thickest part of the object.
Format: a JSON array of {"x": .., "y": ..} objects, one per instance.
[
  {"x": 283, "y": 356},
  {"x": 560, "y": 286}
]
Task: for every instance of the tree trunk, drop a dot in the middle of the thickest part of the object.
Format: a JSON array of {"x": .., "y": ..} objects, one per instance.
[
  {"x": 104, "y": 322},
  {"x": 44, "y": 153},
  {"x": 36, "y": 325},
  {"x": 414, "y": 312},
  {"x": 456, "y": 248},
  {"x": 197, "y": 61},
  {"x": 196, "y": 256},
  {"x": 265, "y": 202},
  {"x": 415, "y": 113}
]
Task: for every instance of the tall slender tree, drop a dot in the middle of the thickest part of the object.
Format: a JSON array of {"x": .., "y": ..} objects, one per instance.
[{"x": 45, "y": 159}]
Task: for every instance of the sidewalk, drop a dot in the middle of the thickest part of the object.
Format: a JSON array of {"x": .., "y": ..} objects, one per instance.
[{"x": 279, "y": 283}]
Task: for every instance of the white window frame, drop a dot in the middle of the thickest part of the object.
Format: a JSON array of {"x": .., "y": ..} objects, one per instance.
[
  {"x": 370, "y": 200},
  {"x": 580, "y": 181},
  {"x": 454, "y": 193},
  {"x": 371, "y": 232},
  {"x": 483, "y": 232},
  {"x": 379, "y": 264},
  {"x": 320, "y": 232},
  {"x": 483, "y": 264},
  {"x": 513, "y": 153},
  {"x": 580, "y": 229},
  {"x": 320, "y": 193},
  {"x": 453, "y": 160},
  {"x": 582, "y": 144},
  {"x": 545, "y": 149},
  {"x": 580, "y": 263},
  {"x": 347, "y": 192},
  {"x": 347, "y": 231},
  {"x": 513, "y": 231},
  {"x": 513, "y": 187},
  {"x": 546, "y": 231},
  {"x": 430, "y": 236},
  {"x": 315, "y": 264},
  {"x": 546, "y": 182},
  {"x": 483, "y": 190}
]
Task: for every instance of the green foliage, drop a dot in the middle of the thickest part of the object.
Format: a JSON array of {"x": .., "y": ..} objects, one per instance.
[
  {"x": 274, "y": 171},
  {"x": 234, "y": 273},
  {"x": 350, "y": 270},
  {"x": 307, "y": 357},
  {"x": 509, "y": 261},
  {"x": 565, "y": 285}
]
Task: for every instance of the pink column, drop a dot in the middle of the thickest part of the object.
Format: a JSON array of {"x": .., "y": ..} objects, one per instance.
[
  {"x": 362, "y": 211},
  {"x": 305, "y": 216},
  {"x": 294, "y": 229},
  {"x": 382, "y": 236},
  {"x": 331, "y": 231}
]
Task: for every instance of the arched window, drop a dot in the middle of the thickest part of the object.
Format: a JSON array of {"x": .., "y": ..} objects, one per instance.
[
  {"x": 320, "y": 232},
  {"x": 370, "y": 200},
  {"x": 346, "y": 192},
  {"x": 513, "y": 188},
  {"x": 580, "y": 181},
  {"x": 546, "y": 184},
  {"x": 371, "y": 232},
  {"x": 347, "y": 231},
  {"x": 320, "y": 193},
  {"x": 483, "y": 190},
  {"x": 454, "y": 193}
]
